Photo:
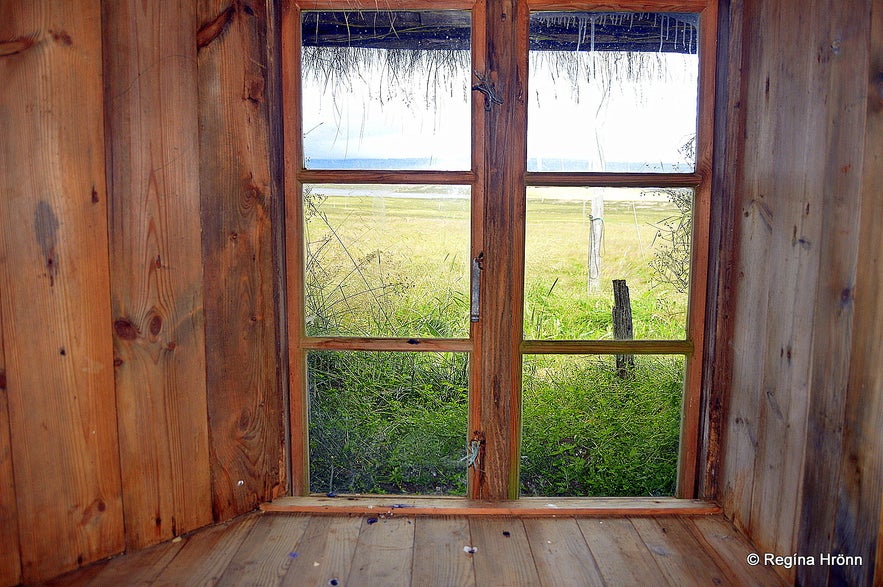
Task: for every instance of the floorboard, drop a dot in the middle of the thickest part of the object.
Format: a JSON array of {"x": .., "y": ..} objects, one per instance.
[{"x": 401, "y": 549}]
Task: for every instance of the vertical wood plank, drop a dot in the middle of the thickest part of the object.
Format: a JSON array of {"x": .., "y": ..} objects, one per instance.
[
  {"x": 384, "y": 553},
  {"x": 503, "y": 283},
  {"x": 325, "y": 552},
  {"x": 55, "y": 301},
  {"x": 741, "y": 425},
  {"x": 860, "y": 493},
  {"x": 439, "y": 559},
  {"x": 294, "y": 247},
  {"x": 156, "y": 266},
  {"x": 725, "y": 222},
  {"x": 696, "y": 319},
  {"x": 244, "y": 403},
  {"x": 840, "y": 82},
  {"x": 10, "y": 559},
  {"x": 504, "y": 555}
]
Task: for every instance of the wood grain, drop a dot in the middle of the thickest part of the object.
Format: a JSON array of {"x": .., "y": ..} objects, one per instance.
[
  {"x": 786, "y": 189},
  {"x": 730, "y": 551},
  {"x": 55, "y": 304},
  {"x": 621, "y": 555},
  {"x": 679, "y": 556},
  {"x": 298, "y": 420},
  {"x": 10, "y": 558},
  {"x": 244, "y": 403},
  {"x": 325, "y": 552},
  {"x": 156, "y": 267},
  {"x": 206, "y": 554},
  {"x": 504, "y": 554},
  {"x": 860, "y": 493},
  {"x": 839, "y": 76},
  {"x": 561, "y": 554},
  {"x": 384, "y": 553},
  {"x": 723, "y": 261},
  {"x": 265, "y": 556},
  {"x": 499, "y": 364},
  {"x": 439, "y": 559},
  {"x": 139, "y": 568},
  {"x": 526, "y": 506}
]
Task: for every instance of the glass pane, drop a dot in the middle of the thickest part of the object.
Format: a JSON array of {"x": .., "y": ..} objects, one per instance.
[
  {"x": 383, "y": 422},
  {"x": 614, "y": 92},
  {"x": 386, "y": 90},
  {"x": 387, "y": 260},
  {"x": 579, "y": 240},
  {"x": 591, "y": 429}
]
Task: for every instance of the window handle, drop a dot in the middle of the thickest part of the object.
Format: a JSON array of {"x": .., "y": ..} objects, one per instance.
[
  {"x": 475, "y": 288},
  {"x": 485, "y": 86}
]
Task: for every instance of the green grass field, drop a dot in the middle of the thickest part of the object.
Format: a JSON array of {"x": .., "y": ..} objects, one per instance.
[{"x": 398, "y": 266}]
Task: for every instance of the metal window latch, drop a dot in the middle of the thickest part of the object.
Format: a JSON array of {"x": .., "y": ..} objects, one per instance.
[
  {"x": 484, "y": 86},
  {"x": 475, "y": 289}
]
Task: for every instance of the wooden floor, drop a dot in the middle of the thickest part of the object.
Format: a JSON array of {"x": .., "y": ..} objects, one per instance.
[{"x": 321, "y": 550}]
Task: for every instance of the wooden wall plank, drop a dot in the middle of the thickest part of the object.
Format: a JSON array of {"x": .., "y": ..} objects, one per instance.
[
  {"x": 53, "y": 275},
  {"x": 244, "y": 403},
  {"x": 801, "y": 454},
  {"x": 837, "y": 131},
  {"x": 753, "y": 237},
  {"x": 10, "y": 559},
  {"x": 860, "y": 492},
  {"x": 723, "y": 261},
  {"x": 156, "y": 266}
]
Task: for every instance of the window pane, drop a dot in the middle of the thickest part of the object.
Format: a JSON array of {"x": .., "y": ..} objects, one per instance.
[
  {"x": 383, "y": 422},
  {"x": 614, "y": 92},
  {"x": 591, "y": 429},
  {"x": 386, "y": 90},
  {"x": 579, "y": 240},
  {"x": 387, "y": 260}
]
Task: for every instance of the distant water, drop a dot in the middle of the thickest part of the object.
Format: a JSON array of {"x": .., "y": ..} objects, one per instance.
[{"x": 534, "y": 164}]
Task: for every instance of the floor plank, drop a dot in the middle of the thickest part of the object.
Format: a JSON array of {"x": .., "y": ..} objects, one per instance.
[
  {"x": 621, "y": 555},
  {"x": 325, "y": 552},
  {"x": 561, "y": 554},
  {"x": 420, "y": 551},
  {"x": 265, "y": 555},
  {"x": 730, "y": 550},
  {"x": 206, "y": 554},
  {"x": 439, "y": 558},
  {"x": 503, "y": 556},
  {"x": 139, "y": 568},
  {"x": 384, "y": 553},
  {"x": 678, "y": 554}
]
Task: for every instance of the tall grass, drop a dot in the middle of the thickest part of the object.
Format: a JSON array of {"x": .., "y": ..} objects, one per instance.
[{"x": 396, "y": 422}]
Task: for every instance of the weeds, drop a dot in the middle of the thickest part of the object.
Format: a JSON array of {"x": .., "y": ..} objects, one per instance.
[{"x": 393, "y": 422}]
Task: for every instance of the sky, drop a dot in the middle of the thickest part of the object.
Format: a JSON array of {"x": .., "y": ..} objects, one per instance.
[{"x": 637, "y": 122}]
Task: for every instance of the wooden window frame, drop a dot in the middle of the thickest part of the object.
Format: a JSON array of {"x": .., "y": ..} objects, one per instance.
[{"x": 498, "y": 143}]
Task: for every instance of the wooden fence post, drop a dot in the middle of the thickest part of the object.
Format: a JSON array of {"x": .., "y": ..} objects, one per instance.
[{"x": 622, "y": 326}]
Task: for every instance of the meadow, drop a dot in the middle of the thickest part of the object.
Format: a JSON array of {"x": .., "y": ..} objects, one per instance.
[{"x": 394, "y": 261}]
